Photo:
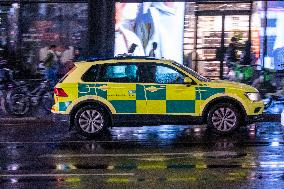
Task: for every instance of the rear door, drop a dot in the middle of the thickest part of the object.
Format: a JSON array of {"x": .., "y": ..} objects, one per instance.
[{"x": 117, "y": 84}]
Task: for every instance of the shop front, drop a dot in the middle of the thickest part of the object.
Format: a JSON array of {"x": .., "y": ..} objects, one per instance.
[
  {"x": 192, "y": 33},
  {"x": 29, "y": 28},
  {"x": 209, "y": 28}
]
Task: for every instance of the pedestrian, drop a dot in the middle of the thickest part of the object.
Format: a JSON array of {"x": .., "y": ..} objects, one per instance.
[
  {"x": 188, "y": 62},
  {"x": 78, "y": 57},
  {"x": 231, "y": 53},
  {"x": 66, "y": 60},
  {"x": 52, "y": 65},
  {"x": 247, "y": 56},
  {"x": 152, "y": 53}
]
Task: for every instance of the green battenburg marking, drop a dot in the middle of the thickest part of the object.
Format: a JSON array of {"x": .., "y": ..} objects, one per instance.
[
  {"x": 160, "y": 94},
  {"x": 124, "y": 106},
  {"x": 86, "y": 89},
  {"x": 100, "y": 92},
  {"x": 202, "y": 93},
  {"x": 180, "y": 106},
  {"x": 140, "y": 93},
  {"x": 64, "y": 105}
]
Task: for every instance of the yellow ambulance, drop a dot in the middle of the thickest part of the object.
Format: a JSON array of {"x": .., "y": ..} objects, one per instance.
[{"x": 137, "y": 91}]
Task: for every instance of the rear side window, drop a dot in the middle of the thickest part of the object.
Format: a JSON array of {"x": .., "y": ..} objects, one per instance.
[
  {"x": 121, "y": 73},
  {"x": 91, "y": 75}
]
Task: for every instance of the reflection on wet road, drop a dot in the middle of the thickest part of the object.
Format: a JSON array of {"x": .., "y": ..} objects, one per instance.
[{"x": 34, "y": 156}]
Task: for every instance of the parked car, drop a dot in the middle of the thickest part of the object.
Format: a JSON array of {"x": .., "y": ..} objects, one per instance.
[{"x": 140, "y": 91}]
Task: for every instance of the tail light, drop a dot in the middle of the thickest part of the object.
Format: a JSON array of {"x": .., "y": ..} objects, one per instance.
[{"x": 60, "y": 92}]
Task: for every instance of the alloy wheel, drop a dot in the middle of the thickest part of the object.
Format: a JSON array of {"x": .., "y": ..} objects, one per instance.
[
  {"x": 224, "y": 119},
  {"x": 91, "y": 121}
]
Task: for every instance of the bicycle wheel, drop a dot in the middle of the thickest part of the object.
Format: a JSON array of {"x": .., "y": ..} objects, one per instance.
[{"x": 17, "y": 103}]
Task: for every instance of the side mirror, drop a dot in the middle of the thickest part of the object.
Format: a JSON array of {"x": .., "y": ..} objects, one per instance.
[{"x": 188, "y": 81}]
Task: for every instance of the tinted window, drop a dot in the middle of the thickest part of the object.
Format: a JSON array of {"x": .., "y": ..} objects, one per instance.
[
  {"x": 122, "y": 73},
  {"x": 91, "y": 74},
  {"x": 167, "y": 75}
]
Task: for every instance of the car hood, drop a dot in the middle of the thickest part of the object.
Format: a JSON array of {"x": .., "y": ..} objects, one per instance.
[{"x": 231, "y": 85}]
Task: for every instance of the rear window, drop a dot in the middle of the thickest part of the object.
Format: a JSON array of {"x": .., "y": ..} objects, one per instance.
[
  {"x": 91, "y": 75},
  {"x": 119, "y": 73}
]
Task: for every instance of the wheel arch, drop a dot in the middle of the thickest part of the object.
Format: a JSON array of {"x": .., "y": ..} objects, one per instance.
[
  {"x": 90, "y": 102},
  {"x": 224, "y": 99}
]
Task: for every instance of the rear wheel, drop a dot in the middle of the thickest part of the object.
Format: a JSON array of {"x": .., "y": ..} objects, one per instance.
[
  {"x": 223, "y": 118},
  {"x": 91, "y": 120}
]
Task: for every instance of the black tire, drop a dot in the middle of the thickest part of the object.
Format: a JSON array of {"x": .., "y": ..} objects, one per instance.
[
  {"x": 17, "y": 103},
  {"x": 223, "y": 118},
  {"x": 91, "y": 121}
]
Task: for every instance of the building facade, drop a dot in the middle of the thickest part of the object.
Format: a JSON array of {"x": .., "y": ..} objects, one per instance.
[{"x": 28, "y": 27}]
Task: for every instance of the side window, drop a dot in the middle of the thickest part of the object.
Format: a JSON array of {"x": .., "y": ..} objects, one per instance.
[
  {"x": 91, "y": 75},
  {"x": 122, "y": 73},
  {"x": 167, "y": 75}
]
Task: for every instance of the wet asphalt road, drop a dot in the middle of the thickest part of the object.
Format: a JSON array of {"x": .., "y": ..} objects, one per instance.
[{"x": 49, "y": 156}]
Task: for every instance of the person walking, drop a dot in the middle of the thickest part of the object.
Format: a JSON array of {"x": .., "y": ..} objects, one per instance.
[
  {"x": 247, "y": 56},
  {"x": 52, "y": 66},
  {"x": 152, "y": 53},
  {"x": 231, "y": 53}
]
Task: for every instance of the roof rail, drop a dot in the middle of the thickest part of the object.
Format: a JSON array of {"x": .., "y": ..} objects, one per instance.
[{"x": 120, "y": 57}]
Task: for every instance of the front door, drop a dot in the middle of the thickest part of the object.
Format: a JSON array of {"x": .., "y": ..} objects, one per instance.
[{"x": 167, "y": 94}]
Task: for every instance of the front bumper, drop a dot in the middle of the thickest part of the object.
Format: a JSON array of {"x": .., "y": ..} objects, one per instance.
[{"x": 255, "y": 108}]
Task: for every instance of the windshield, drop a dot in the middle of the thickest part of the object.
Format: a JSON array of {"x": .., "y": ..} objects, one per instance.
[{"x": 191, "y": 72}]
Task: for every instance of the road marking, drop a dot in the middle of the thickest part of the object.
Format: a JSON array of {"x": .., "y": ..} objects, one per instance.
[
  {"x": 118, "y": 180},
  {"x": 62, "y": 142},
  {"x": 192, "y": 154},
  {"x": 66, "y": 175},
  {"x": 181, "y": 179},
  {"x": 119, "y": 155}
]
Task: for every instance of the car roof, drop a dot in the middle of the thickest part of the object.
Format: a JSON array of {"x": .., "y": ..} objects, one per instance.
[
  {"x": 122, "y": 58},
  {"x": 117, "y": 59}
]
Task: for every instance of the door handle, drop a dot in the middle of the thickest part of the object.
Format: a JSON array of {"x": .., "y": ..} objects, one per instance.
[
  {"x": 153, "y": 89},
  {"x": 104, "y": 88}
]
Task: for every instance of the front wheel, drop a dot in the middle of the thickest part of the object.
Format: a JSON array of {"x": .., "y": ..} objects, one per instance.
[
  {"x": 223, "y": 118},
  {"x": 91, "y": 120}
]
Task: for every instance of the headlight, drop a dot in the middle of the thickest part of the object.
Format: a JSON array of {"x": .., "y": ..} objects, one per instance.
[{"x": 253, "y": 96}]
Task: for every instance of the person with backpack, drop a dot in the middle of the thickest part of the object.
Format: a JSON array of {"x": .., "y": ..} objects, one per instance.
[{"x": 51, "y": 64}]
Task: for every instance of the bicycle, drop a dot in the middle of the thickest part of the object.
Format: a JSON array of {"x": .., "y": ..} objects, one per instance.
[
  {"x": 21, "y": 99},
  {"x": 241, "y": 73}
]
